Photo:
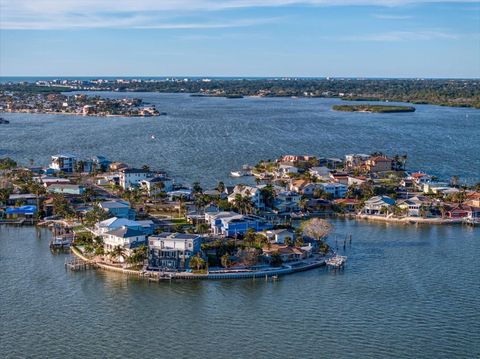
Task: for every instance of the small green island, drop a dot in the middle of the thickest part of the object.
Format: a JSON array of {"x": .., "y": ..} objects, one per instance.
[{"x": 373, "y": 108}]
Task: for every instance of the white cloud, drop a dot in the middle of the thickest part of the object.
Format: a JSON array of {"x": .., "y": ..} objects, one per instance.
[
  {"x": 58, "y": 14},
  {"x": 420, "y": 35}
]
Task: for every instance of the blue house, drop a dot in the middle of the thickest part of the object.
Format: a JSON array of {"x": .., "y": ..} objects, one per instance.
[
  {"x": 22, "y": 212},
  {"x": 239, "y": 225},
  {"x": 119, "y": 209}
]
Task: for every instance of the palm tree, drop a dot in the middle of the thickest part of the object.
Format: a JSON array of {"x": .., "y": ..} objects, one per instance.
[
  {"x": 196, "y": 262},
  {"x": 225, "y": 260},
  {"x": 118, "y": 251}
]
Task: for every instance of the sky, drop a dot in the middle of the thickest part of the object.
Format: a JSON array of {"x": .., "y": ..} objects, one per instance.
[{"x": 279, "y": 38}]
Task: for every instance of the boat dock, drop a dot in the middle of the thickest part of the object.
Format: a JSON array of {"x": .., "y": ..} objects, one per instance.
[
  {"x": 336, "y": 261},
  {"x": 77, "y": 264}
]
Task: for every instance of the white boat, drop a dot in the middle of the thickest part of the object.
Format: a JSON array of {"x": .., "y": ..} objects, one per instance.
[{"x": 241, "y": 173}]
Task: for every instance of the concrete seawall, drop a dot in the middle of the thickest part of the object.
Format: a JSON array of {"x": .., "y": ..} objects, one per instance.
[{"x": 284, "y": 270}]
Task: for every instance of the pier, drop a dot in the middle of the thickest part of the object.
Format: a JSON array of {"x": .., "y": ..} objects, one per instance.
[{"x": 76, "y": 264}]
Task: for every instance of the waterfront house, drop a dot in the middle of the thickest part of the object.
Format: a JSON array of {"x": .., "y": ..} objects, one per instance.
[
  {"x": 125, "y": 237},
  {"x": 287, "y": 253},
  {"x": 458, "y": 211},
  {"x": 239, "y": 225},
  {"x": 131, "y": 177},
  {"x": 279, "y": 236},
  {"x": 379, "y": 164},
  {"x": 473, "y": 214},
  {"x": 155, "y": 185},
  {"x": 147, "y": 227},
  {"x": 21, "y": 212},
  {"x": 100, "y": 163},
  {"x": 292, "y": 159},
  {"x": 420, "y": 178},
  {"x": 172, "y": 251},
  {"x": 232, "y": 223},
  {"x": 377, "y": 204},
  {"x": 117, "y": 166},
  {"x": 348, "y": 204},
  {"x": 355, "y": 160},
  {"x": 412, "y": 205},
  {"x": 254, "y": 193},
  {"x": 286, "y": 170},
  {"x": 64, "y": 163},
  {"x": 71, "y": 189},
  {"x": 118, "y": 208}
]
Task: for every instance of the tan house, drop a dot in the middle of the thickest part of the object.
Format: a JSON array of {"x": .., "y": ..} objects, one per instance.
[{"x": 379, "y": 164}]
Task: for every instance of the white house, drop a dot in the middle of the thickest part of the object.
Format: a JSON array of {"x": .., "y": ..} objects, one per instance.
[
  {"x": 279, "y": 235},
  {"x": 322, "y": 173},
  {"x": 172, "y": 250},
  {"x": 337, "y": 190},
  {"x": 376, "y": 204},
  {"x": 413, "y": 205},
  {"x": 254, "y": 193},
  {"x": 110, "y": 224},
  {"x": 285, "y": 170},
  {"x": 63, "y": 162},
  {"x": 125, "y": 237},
  {"x": 287, "y": 201},
  {"x": 154, "y": 185},
  {"x": 131, "y": 177}
]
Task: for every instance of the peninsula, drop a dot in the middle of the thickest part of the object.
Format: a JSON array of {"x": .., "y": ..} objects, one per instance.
[
  {"x": 373, "y": 108},
  {"x": 140, "y": 221}
]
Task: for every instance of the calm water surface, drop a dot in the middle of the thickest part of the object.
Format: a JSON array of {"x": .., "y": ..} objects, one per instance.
[
  {"x": 205, "y": 138},
  {"x": 407, "y": 292}
]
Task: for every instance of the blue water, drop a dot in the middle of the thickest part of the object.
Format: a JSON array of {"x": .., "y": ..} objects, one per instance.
[
  {"x": 407, "y": 292},
  {"x": 205, "y": 138}
]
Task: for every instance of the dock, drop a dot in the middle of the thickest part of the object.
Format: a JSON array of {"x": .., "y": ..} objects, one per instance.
[
  {"x": 336, "y": 261},
  {"x": 76, "y": 264}
]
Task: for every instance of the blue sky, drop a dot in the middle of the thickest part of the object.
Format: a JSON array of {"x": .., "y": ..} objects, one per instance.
[{"x": 365, "y": 38}]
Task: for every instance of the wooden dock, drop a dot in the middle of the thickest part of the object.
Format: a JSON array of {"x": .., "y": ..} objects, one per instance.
[{"x": 77, "y": 264}]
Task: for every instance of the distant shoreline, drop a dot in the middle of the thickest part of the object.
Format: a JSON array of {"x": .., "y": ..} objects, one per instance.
[{"x": 374, "y": 108}]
